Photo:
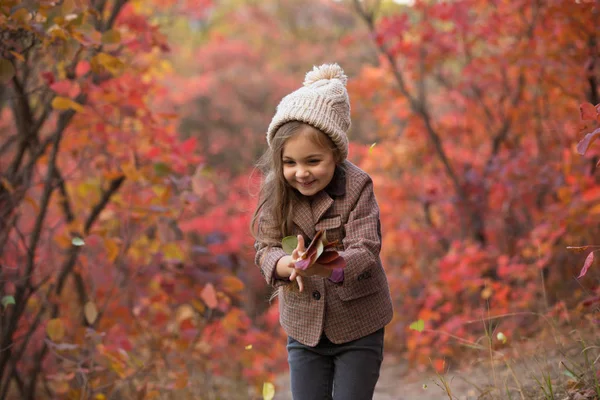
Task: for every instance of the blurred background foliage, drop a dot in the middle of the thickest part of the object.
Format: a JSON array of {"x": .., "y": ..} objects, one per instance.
[{"x": 128, "y": 134}]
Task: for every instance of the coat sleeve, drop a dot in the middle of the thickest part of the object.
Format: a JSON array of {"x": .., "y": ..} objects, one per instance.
[
  {"x": 362, "y": 245},
  {"x": 267, "y": 255}
]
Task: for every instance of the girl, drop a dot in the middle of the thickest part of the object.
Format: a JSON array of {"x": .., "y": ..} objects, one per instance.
[{"x": 335, "y": 320}]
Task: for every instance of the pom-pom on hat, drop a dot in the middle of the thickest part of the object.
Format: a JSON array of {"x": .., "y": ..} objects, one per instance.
[{"x": 322, "y": 103}]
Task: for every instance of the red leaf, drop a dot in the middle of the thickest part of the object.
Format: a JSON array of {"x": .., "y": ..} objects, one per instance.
[
  {"x": 82, "y": 68},
  {"x": 337, "y": 263},
  {"x": 48, "y": 77},
  {"x": 189, "y": 145},
  {"x": 584, "y": 144},
  {"x": 328, "y": 257},
  {"x": 588, "y": 261},
  {"x": 209, "y": 296},
  {"x": 588, "y": 112}
]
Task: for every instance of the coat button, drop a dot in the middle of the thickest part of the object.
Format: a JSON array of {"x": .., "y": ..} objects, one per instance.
[{"x": 316, "y": 295}]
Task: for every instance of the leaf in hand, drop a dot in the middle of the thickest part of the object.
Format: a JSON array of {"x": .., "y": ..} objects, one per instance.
[
  {"x": 316, "y": 254},
  {"x": 338, "y": 262},
  {"x": 314, "y": 250},
  {"x": 289, "y": 244}
]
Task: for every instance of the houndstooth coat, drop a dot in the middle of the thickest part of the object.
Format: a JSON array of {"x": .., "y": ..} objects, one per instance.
[{"x": 347, "y": 210}]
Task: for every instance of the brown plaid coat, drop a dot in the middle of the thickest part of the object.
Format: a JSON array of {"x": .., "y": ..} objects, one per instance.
[{"x": 359, "y": 305}]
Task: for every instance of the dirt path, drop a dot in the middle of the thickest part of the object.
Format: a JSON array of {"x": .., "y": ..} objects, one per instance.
[
  {"x": 530, "y": 364},
  {"x": 396, "y": 383}
]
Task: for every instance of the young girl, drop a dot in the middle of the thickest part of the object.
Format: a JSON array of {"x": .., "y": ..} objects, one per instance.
[{"x": 334, "y": 319}]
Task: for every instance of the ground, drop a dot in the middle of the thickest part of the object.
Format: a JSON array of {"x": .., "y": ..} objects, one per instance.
[{"x": 552, "y": 366}]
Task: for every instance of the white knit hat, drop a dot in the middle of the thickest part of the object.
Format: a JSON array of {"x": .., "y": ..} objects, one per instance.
[{"x": 322, "y": 103}]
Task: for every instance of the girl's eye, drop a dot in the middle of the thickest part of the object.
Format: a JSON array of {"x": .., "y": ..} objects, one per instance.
[
  {"x": 288, "y": 162},
  {"x": 313, "y": 162}
]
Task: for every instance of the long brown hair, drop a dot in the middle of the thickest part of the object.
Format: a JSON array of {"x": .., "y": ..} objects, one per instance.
[{"x": 276, "y": 195}]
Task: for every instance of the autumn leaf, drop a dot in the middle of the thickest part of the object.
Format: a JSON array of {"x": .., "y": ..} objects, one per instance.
[
  {"x": 314, "y": 250},
  {"x": 55, "y": 329},
  {"x": 588, "y": 262},
  {"x": 232, "y": 284},
  {"x": 90, "y": 311},
  {"x": 585, "y": 143},
  {"x": 112, "y": 36},
  {"x": 63, "y": 103},
  {"x": 588, "y": 112},
  {"x": 110, "y": 63},
  {"x": 289, "y": 244},
  {"x": 209, "y": 296},
  {"x": 112, "y": 249},
  {"x": 268, "y": 391},
  {"x": 417, "y": 325}
]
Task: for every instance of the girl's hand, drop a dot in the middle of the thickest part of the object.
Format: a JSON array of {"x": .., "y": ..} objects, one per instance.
[
  {"x": 296, "y": 254},
  {"x": 312, "y": 270}
]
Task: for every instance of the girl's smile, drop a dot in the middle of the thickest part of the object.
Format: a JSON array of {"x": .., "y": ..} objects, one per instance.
[{"x": 307, "y": 166}]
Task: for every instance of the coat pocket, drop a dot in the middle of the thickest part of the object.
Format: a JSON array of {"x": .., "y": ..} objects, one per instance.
[
  {"x": 365, "y": 284},
  {"x": 332, "y": 227}
]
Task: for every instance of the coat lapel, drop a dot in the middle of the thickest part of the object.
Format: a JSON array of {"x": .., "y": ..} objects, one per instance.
[
  {"x": 307, "y": 213},
  {"x": 320, "y": 205},
  {"x": 303, "y": 217}
]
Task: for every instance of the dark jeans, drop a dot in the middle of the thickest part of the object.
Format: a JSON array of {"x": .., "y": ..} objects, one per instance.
[{"x": 347, "y": 371}]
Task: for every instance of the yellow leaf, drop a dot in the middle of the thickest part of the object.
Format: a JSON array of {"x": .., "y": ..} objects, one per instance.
[
  {"x": 111, "y": 63},
  {"x": 268, "y": 391},
  {"x": 112, "y": 36},
  {"x": 90, "y": 311},
  {"x": 198, "y": 306},
  {"x": 100, "y": 396},
  {"x": 112, "y": 249},
  {"x": 486, "y": 293},
  {"x": 172, "y": 251},
  {"x": 249, "y": 347},
  {"x": 21, "y": 15},
  {"x": 55, "y": 329},
  {"x": 63, "y": 103}
]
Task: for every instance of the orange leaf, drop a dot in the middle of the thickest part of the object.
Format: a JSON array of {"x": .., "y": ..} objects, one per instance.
[
  {"x": 112, "y": 249},
  {"x": 232, "y": 284},
  {"x": 209, "y": 296},
  {"x": 63, "y": 103}
]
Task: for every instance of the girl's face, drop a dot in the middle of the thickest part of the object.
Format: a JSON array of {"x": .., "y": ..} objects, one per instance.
[{"x": 307, "y": 166}]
